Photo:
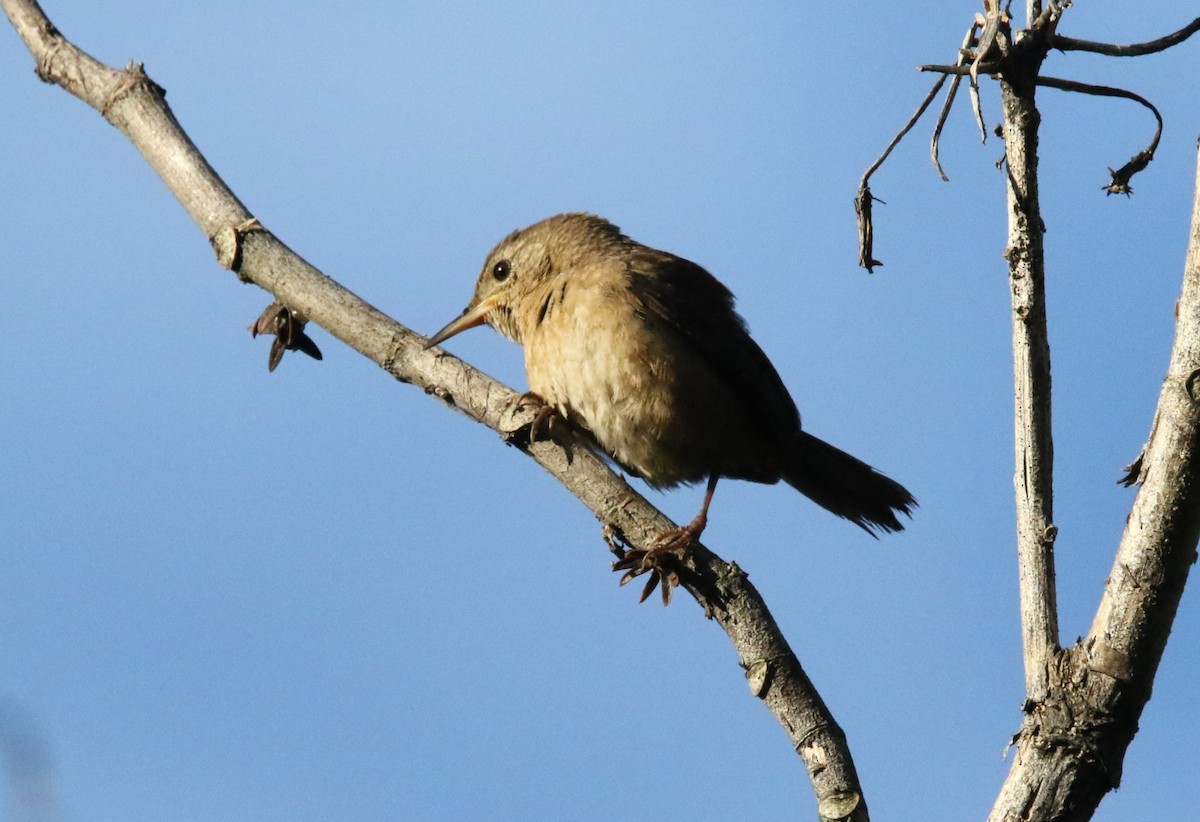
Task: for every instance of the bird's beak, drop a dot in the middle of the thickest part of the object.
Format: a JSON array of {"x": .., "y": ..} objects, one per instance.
[{"x": 470, "y": 318}]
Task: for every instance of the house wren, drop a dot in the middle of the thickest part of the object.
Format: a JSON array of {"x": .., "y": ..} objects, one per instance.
[{"x": 643, "y": 352}]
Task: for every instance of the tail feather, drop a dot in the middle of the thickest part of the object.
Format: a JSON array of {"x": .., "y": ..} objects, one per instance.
[{"x": 847, "y": 486}]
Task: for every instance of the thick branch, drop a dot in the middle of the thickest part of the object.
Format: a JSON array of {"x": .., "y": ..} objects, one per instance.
[
  {"x": 131, "y": 102},
  {"x": 1031, "y": 367},
  {"x": 1071, "y": 748}
]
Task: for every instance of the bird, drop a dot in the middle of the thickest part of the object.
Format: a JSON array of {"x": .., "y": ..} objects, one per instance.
[{"x": 643, "y": 353}]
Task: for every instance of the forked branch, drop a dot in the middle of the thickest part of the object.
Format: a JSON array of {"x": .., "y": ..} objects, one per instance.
[
  {"x": 1083, "y": 703},
  {"x": 1072, "y": 745},
  {"x": 987, "y": 50}
]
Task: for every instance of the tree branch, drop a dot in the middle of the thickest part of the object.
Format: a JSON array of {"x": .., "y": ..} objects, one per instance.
[
  {"x": 134, "y": 104},
  {"x": 1031, "y": 368},
  {"x": 1132, "y": 50},
  {"x": 1121, "y": 176},
  {"x": 1071, "y": 747},
  {"x": 1034, "y": 444},
  {"x": 963, "y": 51},
  {"x": 862, "y": 202},
  {"x": 957, "y": 70},
  {"x": 1083, "y": 704},
  {"x": 1139, "y": 161}
]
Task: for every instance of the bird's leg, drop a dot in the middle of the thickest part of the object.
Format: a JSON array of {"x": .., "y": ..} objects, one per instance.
[
  {"x": 681, "y": 539},
  {"x": 664, "y": 558}
]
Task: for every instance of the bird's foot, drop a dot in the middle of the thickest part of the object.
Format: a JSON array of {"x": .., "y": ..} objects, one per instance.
[
  {"x": 547, "y": 423},
  {"x": 663, "y": 560},
  {"x": 663, "y": 567}
]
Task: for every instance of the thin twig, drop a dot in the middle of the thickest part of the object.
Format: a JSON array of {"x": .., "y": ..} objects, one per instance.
[
  {"x": 1132, "y": 50},
  {"x": 1139, "y": 161},
  {"x": 968, "y": 41},
  {"x": 990, "y": 68},
  {"x": 912, "y": 121},
  {"x": 977, "y": 103},
  {"x": 862, "y": 202},
  {"x": 935, "y": 142},
  {"x": 989, "y": 40}
]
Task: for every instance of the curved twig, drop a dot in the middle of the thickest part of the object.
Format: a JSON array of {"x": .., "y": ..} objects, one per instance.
[
  {"x": 936, "y": 140},
  {"x": 132, "y": 103},
  {"x": 1121, "y": 177},
  {"x": 951, "y": 93},
  {"x": 993, "y": 23},
  {"x": 1132, "y": 50}
]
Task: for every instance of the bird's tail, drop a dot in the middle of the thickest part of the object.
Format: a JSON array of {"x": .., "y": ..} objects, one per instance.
[{"x": 847, "y": 486}]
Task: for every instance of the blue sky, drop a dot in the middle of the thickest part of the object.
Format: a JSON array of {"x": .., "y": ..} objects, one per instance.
[{"x": 317, "y": 594}]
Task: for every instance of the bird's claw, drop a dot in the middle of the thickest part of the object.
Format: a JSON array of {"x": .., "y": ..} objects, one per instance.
[
  {"x": 547, "y": 423},
  {"x": 544, "y": 425},
  {"x": 663, "y": 564}
]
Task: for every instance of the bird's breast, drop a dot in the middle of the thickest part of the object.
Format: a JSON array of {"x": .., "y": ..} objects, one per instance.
[{"x": 648, "y": 403}]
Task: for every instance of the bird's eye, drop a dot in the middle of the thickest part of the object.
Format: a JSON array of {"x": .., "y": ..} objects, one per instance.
[{"x": 501, "y": 270}]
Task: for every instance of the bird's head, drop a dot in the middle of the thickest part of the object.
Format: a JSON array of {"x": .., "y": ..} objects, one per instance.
[{"x": 511, "y": 286}]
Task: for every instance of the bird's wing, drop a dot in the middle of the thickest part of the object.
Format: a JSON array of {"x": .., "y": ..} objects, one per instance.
[{"x": 701, "y": 310}]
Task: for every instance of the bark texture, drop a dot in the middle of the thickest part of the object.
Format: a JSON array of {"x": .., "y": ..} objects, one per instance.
[{"x": 1034, "y": 444}]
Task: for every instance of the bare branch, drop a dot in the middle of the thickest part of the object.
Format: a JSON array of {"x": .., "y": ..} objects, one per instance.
[
  {"x": 989, "y": 67},
  {"x": 862, "y": 202},
  {"x": 912, "y": 121},
  {"x": 1083, "y": 704},
  {"x": 135, "y": 105},
  {"x": 963, "y": 51},
  {"x": 992, "y": 24},
  {"x": 1139, "y": 161},
  {"x": 1132, "y": 50},
  {"x": 1120, "y": 177},
  {"x": 937, "y": 128},
  {"x": 977, "y": 106},
  {"x": 1033, "y": 479},
  {"x": 1072, "y": 745}
]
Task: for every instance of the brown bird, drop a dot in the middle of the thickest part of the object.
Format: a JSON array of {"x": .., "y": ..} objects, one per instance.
[{"x": 644, "y": 353}]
